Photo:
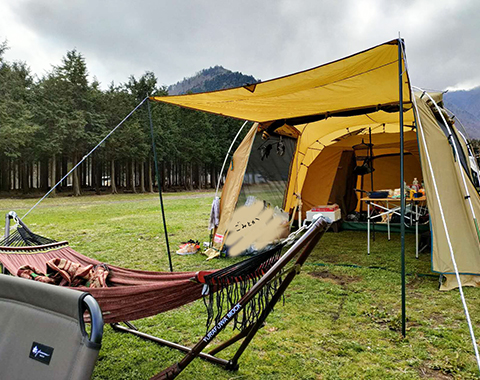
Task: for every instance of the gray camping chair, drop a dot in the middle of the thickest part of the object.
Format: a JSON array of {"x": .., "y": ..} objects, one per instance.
[{"x": 42, "y": 331}]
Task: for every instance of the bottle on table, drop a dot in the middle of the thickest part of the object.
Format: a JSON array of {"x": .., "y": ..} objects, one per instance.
[{"x": 415, "y": 185}]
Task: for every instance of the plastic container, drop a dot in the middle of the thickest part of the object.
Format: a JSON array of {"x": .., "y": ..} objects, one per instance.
[{"x": 332, "y": 212}]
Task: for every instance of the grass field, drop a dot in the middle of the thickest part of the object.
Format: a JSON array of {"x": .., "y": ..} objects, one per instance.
[{"x": 337, "y": 322}]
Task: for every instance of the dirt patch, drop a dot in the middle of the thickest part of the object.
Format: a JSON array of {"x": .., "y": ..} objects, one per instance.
[
  {"x": 438, "y": 318},
  {"x": 336, "y": 279},
  {"x": 415, "y": 282},
  {"x": 428, "y": 373},
  {"x": 342, "y": 281}
]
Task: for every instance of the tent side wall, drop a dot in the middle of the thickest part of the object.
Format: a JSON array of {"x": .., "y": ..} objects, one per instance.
[
  {"x": 458, "y": 219},
  {"x": 233, "y": 184}
]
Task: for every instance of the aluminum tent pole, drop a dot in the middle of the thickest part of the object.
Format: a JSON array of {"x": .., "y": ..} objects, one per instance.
[
  {"x": 402, "y": 181},
  {"x": 159, "y": 185}
]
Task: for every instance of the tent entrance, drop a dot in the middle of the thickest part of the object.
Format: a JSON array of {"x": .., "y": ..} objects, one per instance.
[
  {"x": 330, "y": 180},
  {"x": 332, "y": 177}
]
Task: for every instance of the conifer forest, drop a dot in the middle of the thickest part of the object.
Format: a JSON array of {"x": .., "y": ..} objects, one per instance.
[{"x": 49, "y": 123}]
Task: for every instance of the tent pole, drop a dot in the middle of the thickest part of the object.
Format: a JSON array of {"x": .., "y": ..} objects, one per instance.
[
  {"x": 7, "y": 225},
  {"x": 402, "y": 182},
  {"x": 371, "y": 157},
  {"x": 370, "y": 148},
  {"x": 159, "y": 184}
]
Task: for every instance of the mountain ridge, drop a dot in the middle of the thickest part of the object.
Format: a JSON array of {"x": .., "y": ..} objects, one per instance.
[
  {"x": 465, "y": 105},
  {"x": 211, "y": 79}
]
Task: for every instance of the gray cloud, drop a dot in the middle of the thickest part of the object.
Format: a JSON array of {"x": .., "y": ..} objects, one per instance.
[{"x": 266, "y": 39}]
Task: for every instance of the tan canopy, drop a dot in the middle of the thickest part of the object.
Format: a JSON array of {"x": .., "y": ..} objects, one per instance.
[{"x": 340, "y": 86}]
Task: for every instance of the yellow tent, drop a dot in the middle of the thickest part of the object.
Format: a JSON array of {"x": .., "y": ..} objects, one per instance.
[{"x": 329, "y": 109}]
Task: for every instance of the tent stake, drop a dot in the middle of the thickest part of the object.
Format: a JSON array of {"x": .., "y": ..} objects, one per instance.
[
  {"x": 159, "y": 184},
  {"x": 402, "y": 182}
]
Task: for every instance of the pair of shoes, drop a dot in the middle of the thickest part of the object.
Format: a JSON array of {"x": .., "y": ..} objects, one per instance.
[{"x": 189, "y": 248}]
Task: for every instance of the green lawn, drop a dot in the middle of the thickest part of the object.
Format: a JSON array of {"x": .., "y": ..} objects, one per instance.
[{"x": 338, "y": 322}]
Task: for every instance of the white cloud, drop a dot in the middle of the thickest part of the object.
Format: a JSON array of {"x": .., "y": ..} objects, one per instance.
[{"x": 262, "y": 38}]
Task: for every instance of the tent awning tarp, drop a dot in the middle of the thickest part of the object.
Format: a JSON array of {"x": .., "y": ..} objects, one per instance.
[{"x": 343, "y": 85}]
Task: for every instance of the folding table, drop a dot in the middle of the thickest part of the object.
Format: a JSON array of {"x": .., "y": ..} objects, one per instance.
[{"x": 384, "y": 204}]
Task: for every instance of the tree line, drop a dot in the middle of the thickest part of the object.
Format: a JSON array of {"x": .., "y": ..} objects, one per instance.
[{"x": 48, "y": 124}]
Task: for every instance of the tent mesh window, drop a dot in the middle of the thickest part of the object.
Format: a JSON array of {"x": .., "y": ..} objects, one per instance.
[{"x": 266, "y": 176}]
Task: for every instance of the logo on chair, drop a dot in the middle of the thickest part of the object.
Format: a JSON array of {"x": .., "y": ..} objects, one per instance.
[{"x": 41, "y": 353}]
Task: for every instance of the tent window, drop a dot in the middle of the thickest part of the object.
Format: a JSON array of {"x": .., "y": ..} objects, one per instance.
[{"x": 266, "y": 176}]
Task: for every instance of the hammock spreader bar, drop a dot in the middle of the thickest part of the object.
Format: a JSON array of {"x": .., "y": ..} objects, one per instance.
[{"x": 22, "y": 236}]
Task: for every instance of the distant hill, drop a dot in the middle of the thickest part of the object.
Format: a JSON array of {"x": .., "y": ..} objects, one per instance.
[
  {"x": 214, "y": 78},
  {"x": 466, "y": 107}
]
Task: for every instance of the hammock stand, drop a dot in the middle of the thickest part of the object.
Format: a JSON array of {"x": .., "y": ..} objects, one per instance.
[{"x": 138, "y": 294}]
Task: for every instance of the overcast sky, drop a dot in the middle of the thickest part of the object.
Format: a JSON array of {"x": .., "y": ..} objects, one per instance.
[{"x": 266, "y": 39}]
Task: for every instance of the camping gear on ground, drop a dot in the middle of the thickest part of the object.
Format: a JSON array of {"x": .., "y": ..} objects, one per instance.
[
  {"x": 425, "y": 242},
  {"x": 251, "y": 289},
  {"x": 332, "y": 212},
  {"x": 43, "y": 331},
  {"x": 214, "y": 214},
  {"x": 386, "y": 208}
]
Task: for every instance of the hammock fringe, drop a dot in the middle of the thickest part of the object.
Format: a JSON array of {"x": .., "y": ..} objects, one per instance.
[{"x": 227, "y": 286}]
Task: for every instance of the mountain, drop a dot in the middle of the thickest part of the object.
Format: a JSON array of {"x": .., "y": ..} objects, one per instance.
[
  {"x": 214, "y": 78},
  {"x": 466, "y": 107}
]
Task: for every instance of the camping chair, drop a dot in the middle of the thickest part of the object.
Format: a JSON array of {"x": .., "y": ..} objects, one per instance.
[
  {"x": 43, "y": 332},
  {"x": 253, "y": 287}
]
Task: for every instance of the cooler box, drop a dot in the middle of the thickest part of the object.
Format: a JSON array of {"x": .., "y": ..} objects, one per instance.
[{"x": 332, "y": 212}]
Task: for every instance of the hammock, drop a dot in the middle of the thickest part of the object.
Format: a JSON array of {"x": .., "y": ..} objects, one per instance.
[
  {"x": 250, "y": 289},
  {"x": 135, "y": 294},
  {"x": 132, "y": 294}
]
